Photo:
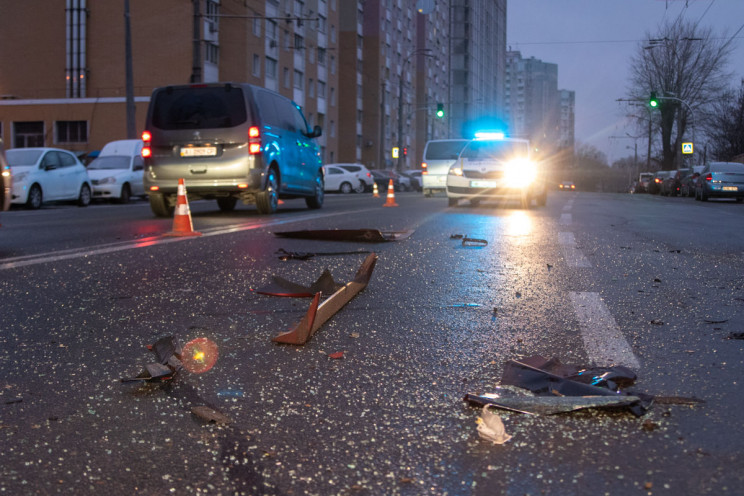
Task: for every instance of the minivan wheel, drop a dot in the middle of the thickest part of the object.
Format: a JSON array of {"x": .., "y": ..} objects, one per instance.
[
  {"x": 316, "y": 201},
  {"x": 125, "y": 195},
  {"x": 35, "y": 198},
  {"x": 159, "y": 205},
  {"x": 267, "y": 201},
  {"x": 84, "y": 197},
  {"x": 227, "y": 203}
]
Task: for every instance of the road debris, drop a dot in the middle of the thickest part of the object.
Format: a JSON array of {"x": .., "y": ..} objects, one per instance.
[
  {"x": 735, "y": 335},
  {"x": 285, "y": 255},
  {"x": 168, "y": 353},
  {"x": 491, "y": 428},
  {"x": 549, "y": 405},
  {"x": 358, "y": 235},
  {"x": 317, "y": 314},
  {"x": 283, "y": 287}
]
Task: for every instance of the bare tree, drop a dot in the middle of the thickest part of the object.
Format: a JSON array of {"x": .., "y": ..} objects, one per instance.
[
  {"x": 726, "y": 125},
  {"x": 685, "y": 66}
]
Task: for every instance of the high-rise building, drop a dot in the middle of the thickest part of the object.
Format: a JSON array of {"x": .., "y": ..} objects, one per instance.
[
  {"x": 535, "y": 108},
  {"x": 371, "y": 73}
]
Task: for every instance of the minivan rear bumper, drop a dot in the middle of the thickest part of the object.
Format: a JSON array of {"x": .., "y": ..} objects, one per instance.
[{"x": 206, "y": 188}]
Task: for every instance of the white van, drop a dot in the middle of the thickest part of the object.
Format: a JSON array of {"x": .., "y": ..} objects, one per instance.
[
  {"x": 117, "y": 172},
  {"x": 439, "y": 155}
]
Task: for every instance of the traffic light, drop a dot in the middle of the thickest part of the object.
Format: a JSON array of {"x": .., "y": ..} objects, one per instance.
[
  {"x": 653, "y": 101},
  {"x": 440, "y": 110},
  {"x": 405, "y": 151}
]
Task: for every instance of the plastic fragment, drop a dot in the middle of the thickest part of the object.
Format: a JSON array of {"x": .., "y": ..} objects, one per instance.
[
  {"x": 282, "y": 287},
  {"x": 550, "y": 405},
  {"x": 336, "y": 355},
  {"x": 491, "y": 428},
  {"x": 474, "y": 242},
  {"x": 210, "y": 415}
]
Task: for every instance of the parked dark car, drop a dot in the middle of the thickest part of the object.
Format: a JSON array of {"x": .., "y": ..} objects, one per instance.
[
  {"x": 721, "y": 180},
  {"x": 383, "y": 177},
  {"x": 654, "y": 186},
  {"x": 687, "y": 187},
  {"x": 644, "y": 179},
  {"x": 672, "y": 184}
]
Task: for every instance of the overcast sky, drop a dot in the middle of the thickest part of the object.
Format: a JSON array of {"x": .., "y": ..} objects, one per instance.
[{"x": 592, "y": 41}]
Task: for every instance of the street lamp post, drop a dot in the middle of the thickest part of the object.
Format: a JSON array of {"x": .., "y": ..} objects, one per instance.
[{"x": 400, "y": 102}]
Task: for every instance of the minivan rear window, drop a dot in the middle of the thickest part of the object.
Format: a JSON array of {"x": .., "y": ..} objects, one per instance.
[
  {"x": 210, "y": 107},
  {"x": 444, "y": 150}
]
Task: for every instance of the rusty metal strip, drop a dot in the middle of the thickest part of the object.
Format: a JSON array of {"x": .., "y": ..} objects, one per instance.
[{"x": 317, "y": 315}]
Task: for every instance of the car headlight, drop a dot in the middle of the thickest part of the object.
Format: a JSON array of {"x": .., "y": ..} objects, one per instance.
[
  {"x": 20, "y": 177},
  {"x": 455, "y": 170},
  {"x": 107, "y": 180},
  {"x": 519, "y": 173}
]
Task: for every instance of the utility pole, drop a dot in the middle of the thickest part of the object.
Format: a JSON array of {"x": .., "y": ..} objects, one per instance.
[
  {"x": 196, "y": 70},
  {"x": 131, "y": 123}
]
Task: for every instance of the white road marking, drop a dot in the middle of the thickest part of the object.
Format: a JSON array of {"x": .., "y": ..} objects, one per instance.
[
  {"x": 573, "y": 256},
  {"x": 565, "y": 220},
  {"x": 603, "y": 340},
  {"x": 39, "y": 258}
]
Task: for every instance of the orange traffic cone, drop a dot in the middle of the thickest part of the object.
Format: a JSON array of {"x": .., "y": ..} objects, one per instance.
[
  {"x": 390, "y": 202},
  {"x": 182, "y": 225},
  {"x": 375, "y": 193}
]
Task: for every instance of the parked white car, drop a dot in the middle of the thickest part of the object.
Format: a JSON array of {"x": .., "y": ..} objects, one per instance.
[
  {"x": 340, "y": 180},
  {"x": 116, "y": 174},
  {"x": 364, "y": 175},
  {"x": 47, "y": 174}
]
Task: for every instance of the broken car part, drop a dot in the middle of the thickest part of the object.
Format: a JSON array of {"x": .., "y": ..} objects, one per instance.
[
  {"x": 285, "y": 255},
  {"x": 168, "y": 353},
  {"x": 282, "y": 287},
  {"x": 491, "y": 427},
  {"x": 317, "y": 315},
  {"x": 359, "y": 235},
  {"x": 549, "y": 405}
]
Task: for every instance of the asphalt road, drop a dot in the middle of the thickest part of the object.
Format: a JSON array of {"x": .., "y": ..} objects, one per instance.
[{"x": 592, "y": 279}]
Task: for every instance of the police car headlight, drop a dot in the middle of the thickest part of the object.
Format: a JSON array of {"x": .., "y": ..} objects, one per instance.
[{"x": 519, "y": 173}]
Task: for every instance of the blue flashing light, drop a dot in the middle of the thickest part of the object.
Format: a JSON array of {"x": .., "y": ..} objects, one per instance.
[{"x": 489, "y": 135}]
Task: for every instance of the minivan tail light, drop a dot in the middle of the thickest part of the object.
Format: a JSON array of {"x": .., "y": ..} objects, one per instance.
[
  {"x": 146, "y": 139},
  {"x": 254, "y": 140},
  {"x": 424, "y": 170},
  {"x": 709, "y": 177}
]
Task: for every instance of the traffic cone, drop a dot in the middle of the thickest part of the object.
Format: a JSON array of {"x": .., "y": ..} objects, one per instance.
[
  {"x": 182, "y": 225},
  {"x": 390, "y": 201},
  {"x": 375, "y": 193}
]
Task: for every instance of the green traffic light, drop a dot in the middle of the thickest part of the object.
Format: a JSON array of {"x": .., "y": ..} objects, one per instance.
[
  {"x": 653, "y": 101},
  {"x": 440, "y": 110}
]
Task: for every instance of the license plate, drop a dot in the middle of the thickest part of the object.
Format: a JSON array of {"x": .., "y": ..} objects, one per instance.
[
  {"x": 483, "y": 184},
  {"x": 199, "y": 151},
  {"x": 730, "y": 188}
]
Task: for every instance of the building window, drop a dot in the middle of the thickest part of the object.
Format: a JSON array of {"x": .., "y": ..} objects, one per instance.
[
  {"x": 71, "y": 132},
  {"x": 212, "y": 53},
  {"x": 321, "y": 89},
  {"x": 333, "y": 96},
  {"x": 271, "y": 67},
  {"x": 333, "y": 65},
  {"x": 321, "y": 56},
  {"x": 272, "y": 32},
  {"x": 321, "y": 24},
  {"x": 299, "y": 42},
  {"x": 310, "y": 88},
  {"x": 256, "y": 65},
  {"x": 332, "y": 129},
  {"x": 286, "y": 77},
  {"x": 286, "y": 40},
  {"x": 28, "y": 134},
  {"x": 257, "y": 26},
  {"x": 298, "y": 80},
  {"x": 333, "y": 33}
]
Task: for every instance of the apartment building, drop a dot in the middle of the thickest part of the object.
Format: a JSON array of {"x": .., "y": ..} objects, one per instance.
[
  {"x": 68, "y": 88},
  {"x": 371, "y": 73}
]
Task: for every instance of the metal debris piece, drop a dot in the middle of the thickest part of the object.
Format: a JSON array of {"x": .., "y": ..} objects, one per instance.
[
  {"x": 677, "y": 400},
  {"x": 735, "y": 335},
  {"x": 474, "y": 242},
  {"x": 282, "y": 287},
  {"x": 285, "y": 255},
  {"x": 317, "y": 314},
  {"x": 168, "y": 353},
  {"x": 457, "y": 236},
  {"x": 359, "y": 235},
  {"x": 549, "y": 405},
  {"x": 545, "y": 383},
  {"x": 491, "y": 427},
  {"x": 210, "y": 415}
]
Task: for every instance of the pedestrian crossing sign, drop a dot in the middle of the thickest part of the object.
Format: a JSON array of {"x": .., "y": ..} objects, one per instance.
[{"x": 687, "y": 148}]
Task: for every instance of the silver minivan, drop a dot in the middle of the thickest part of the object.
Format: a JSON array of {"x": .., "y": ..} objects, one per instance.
[
  {"x": 439, "y": 155},
  {"x": 229, "y": 142}
]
